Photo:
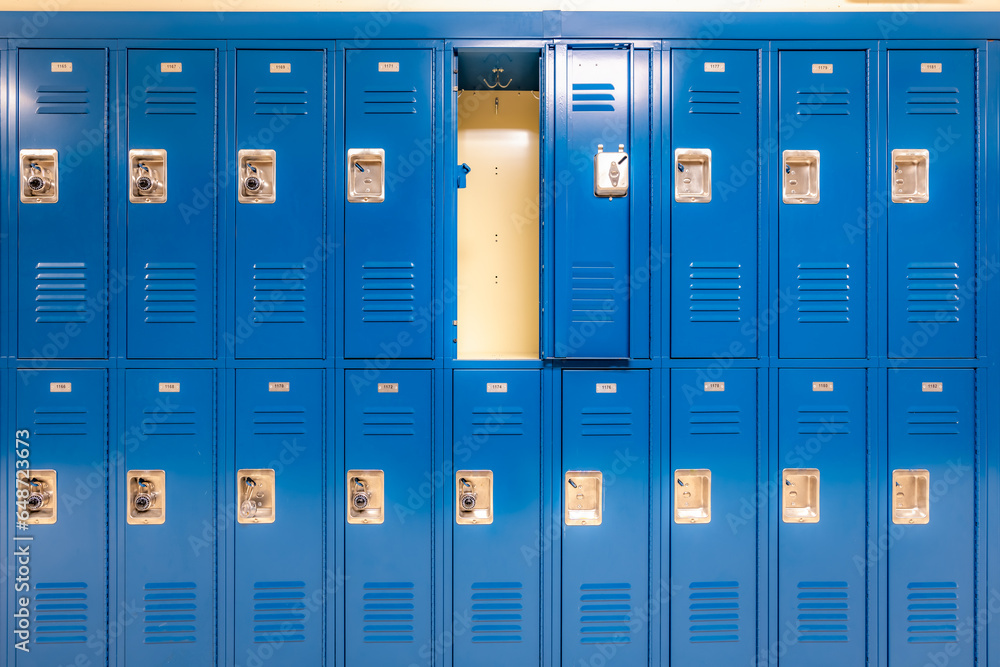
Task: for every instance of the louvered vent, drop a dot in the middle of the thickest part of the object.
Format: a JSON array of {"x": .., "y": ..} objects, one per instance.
[
  {"x": 171, "y": 292},
  {"x": 387, "y": 291},
  {"x": 385, "y": 421},
  {"x": 715, "y": 292},
  {"x": 279, "y": 612},
  {"x": 714, "y": 611},
  {"x": 279, "y": 420},
  {"x": 62, "y": 421},
  {"x": 729, "y": 102},
  {"x": 279, "y": 293},
  {"x": 497, "y": 612},
  {"x": 932, "y": 292},
  {"x": 823, "y": 293},
  {"x": 823, "y": 102},
  {"x": 163, "y": 101},
  {"x": 61, "y": 613},
  {"x": 507, "y": 420},
  {"x": 593, "y": 97},
  {"x": 280, "y": 102},
  {"x": 932, "y": 612},
  {"x": 170, "y": 610},
  {"x": 613, "y": 421},
  {"x": 606, "y": 613},
  {"x": 714, "y": 420},
  {"x": 823, "y": 608},
  {"x": 62, "y": 99},
  {"x": 61, "y": 292},
  {"x": 932, "y": 101},
  {"x": 824, "y": 420},
  {"x": 382, "y": 102},
  {"x": 940, "y": 420},
  {"x": 388, "y": 612}
]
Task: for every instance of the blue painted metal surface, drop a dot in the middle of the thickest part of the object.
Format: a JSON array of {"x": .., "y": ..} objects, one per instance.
[
  {"x": 172, "y": 106},
  {"x": 65, "y": 415},
  {"x": 822, "y": 262},
  {"x": 62, "y": 247},
  {"x": 170, "y": 568},
  {"x": 389, "y": 294},
  {"x": 596, "y": 106},
  {"x": 713, "y": 426},
  {"x": 605, "y": 568},
  {"x": 932, "y": 265},
  {"x": 279, "y": 590},
  {"x": 388, "y": 426},
  {"x": 281, "y": 251},
  {"x": 931, "y": 426},
  {"x": 822, "y": 592},
  {"x": 497, "y": 596},
  {"x": 714, "y": 244}
]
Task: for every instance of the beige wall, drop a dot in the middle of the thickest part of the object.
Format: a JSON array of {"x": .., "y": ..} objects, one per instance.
[{"x": 505, "y": 5}]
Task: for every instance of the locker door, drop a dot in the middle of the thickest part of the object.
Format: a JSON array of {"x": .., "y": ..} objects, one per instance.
[
  {"x": 605, "y": 565},
  {"x": 932, "y": 243},
  {"x": 595, "y": 236},
  {"x": 822, "y": 593},
  {"x": 713, "y": 545},
  {"x": 65, "y": 414},
  {"x": 170, "y": 547},
  {"x": 279, "y": 461},
  {"x": 932, "y": 560},
  {"x": 389, "y": 244},
  {"x": 171, "y": 243},
  {"x": 280, "y": 246},
  {"x": 388, "y": 558},
  {"x": 822, "y": 246},
  {"x": 496, "y": 582},
  {"x": 62, "y": 245},
  {"x": 714, "y": 227}
]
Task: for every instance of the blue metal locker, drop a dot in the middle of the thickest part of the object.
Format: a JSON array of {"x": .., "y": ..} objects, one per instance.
[
  {"x": 65, "y": 415},
  {"x": 170, "y": 549},
  {"x": 62, "y": 235},
  {"x": 388, "y": 282},
  {"x": 822, "y": 516},
  {"x": 715, "y": 202},
  {"x": 172, "y": 132},
  {"x": 933, "y": 205},
  {"x": 497, "y": 597},
  {"x": 279, "y": 490},
  {"x": 598, "y": 108},
  {"x": 713, "y": 536},
  {"x": 605, "y": 552},
  {"x": 932, "y": 532},
  {"x": 388, "y": 558},
  {"x": 281, "y": 249},
  {"x": 823, "y": 204}
]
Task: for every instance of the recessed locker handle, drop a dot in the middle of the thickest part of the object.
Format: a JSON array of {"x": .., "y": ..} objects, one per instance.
[
  {"x": 39, "y": 176},
  {"x": 800, "y": 177},
  {"x": 800, "y": 495},
  {"x": 693, "y": 496},
  {"x": 910, "y": 176},
  {"x": 584, "y": 497},
  {"x": 693, "y": 175},
  {"x": 911, "y": 497}
]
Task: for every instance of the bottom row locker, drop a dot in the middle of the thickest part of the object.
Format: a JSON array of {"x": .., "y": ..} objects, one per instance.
[{"x": 825, "y": 505}]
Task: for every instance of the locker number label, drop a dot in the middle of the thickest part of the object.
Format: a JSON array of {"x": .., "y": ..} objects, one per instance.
[
  {"x": 932, "y": 386},
  {"x": 822, "y": 386},
  {"x": 388, "y": 387},
  {"x": 62, "y": 67},
  {"x": 60, "y": 387},
  {"x": 496, "y": 387},
  {"x": 607, "y": 388},
  {"x": 170, "y": 387},
  {"x": 281, "y": 68},
  {"x": 171, "y": 67},
  {"x": 279, "y": 386},
  {"x": 715, "y": 67},
  {"x": 388, "y": 67},
  {"x": 715, "y": 386},
  {"x": 822, "y": 68},
  {"x": 930, "y": 68}
]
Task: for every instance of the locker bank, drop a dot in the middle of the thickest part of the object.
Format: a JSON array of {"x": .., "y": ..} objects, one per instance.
[{"x": 544, "y": 338}]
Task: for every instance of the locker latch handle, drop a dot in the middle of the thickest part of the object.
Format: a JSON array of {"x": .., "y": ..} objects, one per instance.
[{"x": 465, "y": 169}]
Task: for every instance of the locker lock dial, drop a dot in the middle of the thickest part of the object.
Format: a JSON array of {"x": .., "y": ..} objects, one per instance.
[
  {"x": 257, "y": 174},
  {"x": 146, "y": 497},
  {"x": 39, "y": 176},
  {"x": 610, "y": 173},
  {"x": 148, "y": 170},
  {"x": 255, "y": 492},
  {"x": 365, "y": 496},
  {"x": 40, "y": 502},
  {"x": 474, "y": 497}
]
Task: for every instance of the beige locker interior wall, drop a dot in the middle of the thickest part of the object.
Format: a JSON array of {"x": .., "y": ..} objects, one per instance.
[{"x": 498, "y": 226}]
